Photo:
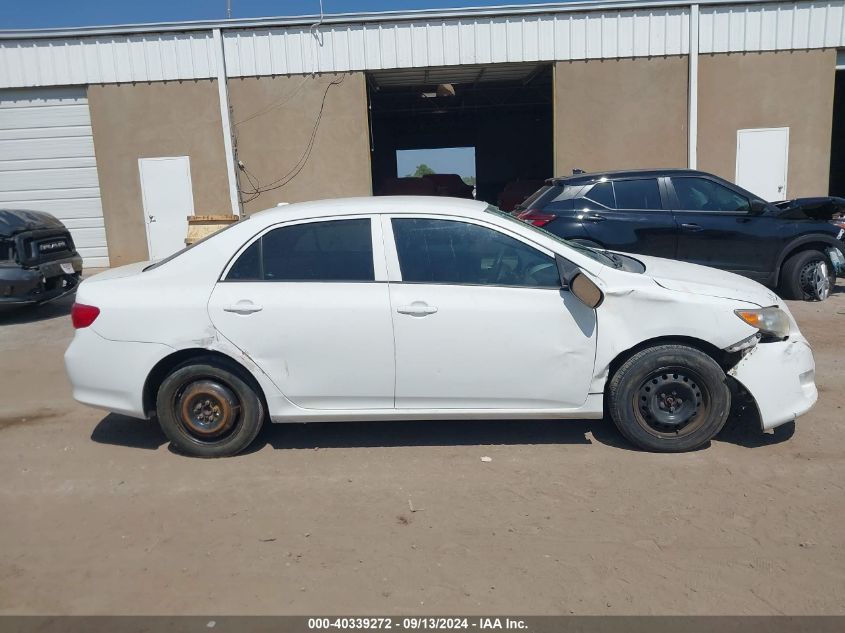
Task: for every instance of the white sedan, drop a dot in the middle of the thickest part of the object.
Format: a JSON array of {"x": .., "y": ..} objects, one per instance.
[{"x": 428, "y": 308}]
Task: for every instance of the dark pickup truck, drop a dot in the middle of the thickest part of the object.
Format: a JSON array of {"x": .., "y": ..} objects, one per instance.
[{"x": 38, "y": 260}]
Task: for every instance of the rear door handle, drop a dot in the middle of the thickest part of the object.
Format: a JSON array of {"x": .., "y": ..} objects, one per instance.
[
  {"x": 418, "y": 308},
  {"x": 244, "y": 306},
  {"x": 594, "y": 217},
  {"x": 691, "y": 227}
]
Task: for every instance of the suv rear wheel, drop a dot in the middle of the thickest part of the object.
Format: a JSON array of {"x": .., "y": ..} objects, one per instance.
[
  {"x": 206, "y": 408},
  {"x": 807, "y": 276},
  {"x": 669, "y": 398}
]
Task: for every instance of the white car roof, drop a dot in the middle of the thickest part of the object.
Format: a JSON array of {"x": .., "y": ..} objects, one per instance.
[{"x": 374, "y": 204}]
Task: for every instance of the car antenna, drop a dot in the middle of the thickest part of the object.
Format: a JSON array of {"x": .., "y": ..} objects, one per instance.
[{"x": 577, "y": 171}]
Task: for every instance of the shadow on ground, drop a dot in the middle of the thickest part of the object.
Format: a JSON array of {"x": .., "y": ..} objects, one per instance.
[
  {"x": 123, "y": 431},
  {"x": 16, "y": 315},
  {"x": 119, "y": 430}
]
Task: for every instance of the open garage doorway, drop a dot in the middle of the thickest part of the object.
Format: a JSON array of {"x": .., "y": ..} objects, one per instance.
[
  {"x": 837, "y": 141},
  {"x": 503, "y": 111}
]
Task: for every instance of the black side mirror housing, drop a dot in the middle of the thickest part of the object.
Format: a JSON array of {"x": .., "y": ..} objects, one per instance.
[
  {"x": 758, "y": 207},
  {"x": 579, "y": 284}
]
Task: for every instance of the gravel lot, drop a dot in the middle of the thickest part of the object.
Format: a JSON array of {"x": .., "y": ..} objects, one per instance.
[{"x": 99, "y": 517}]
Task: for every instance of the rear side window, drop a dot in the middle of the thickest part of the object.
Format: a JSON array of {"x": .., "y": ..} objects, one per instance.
[
  {"x": 637, "y": 194},
  {"x": 602, "y": 193},
  {"x": 701, "y": 194},
  {"x": 335, "y": 250}
]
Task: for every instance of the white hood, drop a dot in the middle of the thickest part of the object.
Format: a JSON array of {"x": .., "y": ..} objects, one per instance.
[{"x": 702, "y": 280}]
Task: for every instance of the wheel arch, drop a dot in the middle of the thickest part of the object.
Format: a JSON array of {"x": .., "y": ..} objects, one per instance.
[
  {"x": 725, "y": 360},
  {"x": 167, "y": 364},
  {"x": 812, "y": 242}
]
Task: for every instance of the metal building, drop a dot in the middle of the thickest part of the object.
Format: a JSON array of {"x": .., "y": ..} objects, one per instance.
[{"x": 122, "y": 131}]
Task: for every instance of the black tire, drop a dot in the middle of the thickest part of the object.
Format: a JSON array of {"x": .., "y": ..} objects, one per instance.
[
  {"x": 641, "y": 401},
  {"x": 208, "y": 408},
  {"x": 796, "y": 276}
]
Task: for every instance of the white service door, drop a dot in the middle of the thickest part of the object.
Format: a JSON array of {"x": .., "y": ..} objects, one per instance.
[
  {"x": 168, "y": 200},
  {"x": 762, "y": 160}
]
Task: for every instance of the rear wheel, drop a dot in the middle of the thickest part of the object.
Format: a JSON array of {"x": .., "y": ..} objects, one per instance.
[
  {"x": 807, "y": 276},
  {"x": 669, "y": 398},
  {"x": 208, "y": 409}
]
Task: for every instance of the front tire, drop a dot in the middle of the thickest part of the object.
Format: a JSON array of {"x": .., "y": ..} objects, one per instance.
[
  {"x": 207, "y": 408},
  {"x": 807, "y": 276},
  {"x": 669, "y": 398}
]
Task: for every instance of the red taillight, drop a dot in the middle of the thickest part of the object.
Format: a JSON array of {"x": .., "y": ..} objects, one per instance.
[
  {"x": 82, "y": 315},
  {"x": 537, "y": 218}
]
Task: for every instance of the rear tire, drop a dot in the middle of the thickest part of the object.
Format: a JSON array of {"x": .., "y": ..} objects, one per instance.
[
  {"x": 207, "y": 408},
  {"x": 669, "y": 398},
  {"x": 807, "y": 276}
]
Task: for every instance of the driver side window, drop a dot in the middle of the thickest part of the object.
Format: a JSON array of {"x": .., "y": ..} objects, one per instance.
[
  {"x": 455, "y": 252},
  {"x": 700, "y": 194}
]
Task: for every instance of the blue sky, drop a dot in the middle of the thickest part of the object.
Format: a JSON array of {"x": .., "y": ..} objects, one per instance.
[
  {"x": 25, "y": 14},
  {"x": 450, "y": 160}
]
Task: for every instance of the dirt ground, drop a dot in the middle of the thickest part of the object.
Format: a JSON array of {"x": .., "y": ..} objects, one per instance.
[{"x": 97, "y": 516}]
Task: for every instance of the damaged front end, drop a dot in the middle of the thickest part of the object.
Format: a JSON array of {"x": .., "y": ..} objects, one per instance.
[{"x": 38, "y": 260}]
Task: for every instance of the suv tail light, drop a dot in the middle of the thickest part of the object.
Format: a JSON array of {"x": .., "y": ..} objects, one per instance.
[
  {"x": 537, "y": 218},
  {"x": 82, "y": 315}
]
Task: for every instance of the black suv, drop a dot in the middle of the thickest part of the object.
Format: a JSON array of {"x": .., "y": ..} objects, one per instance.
[
  {"x": 693, "y": 216},
  {"x": 38, "y": 261}
]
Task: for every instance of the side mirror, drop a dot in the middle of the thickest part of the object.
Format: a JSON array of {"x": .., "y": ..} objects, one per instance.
[
  {"x": 574, "y": 280},
  {"x": 758, "y": 207},
  {"x": 585, "y": 290}
]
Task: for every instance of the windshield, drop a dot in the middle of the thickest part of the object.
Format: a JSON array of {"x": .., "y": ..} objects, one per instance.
[{"x": 603, "y": 257}]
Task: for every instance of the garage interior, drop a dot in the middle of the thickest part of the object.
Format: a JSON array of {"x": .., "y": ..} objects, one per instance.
[
  {"x": 837, "y": 141},
  {"x": 504, "y": 111}
]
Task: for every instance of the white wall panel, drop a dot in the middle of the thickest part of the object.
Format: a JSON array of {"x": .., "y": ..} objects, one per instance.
[
  {"x": 113, "y": 59},
  {"x": 47, "y": 163},
  {"x": 775, "y": 26},
  {"x": 546, "y": 37},
  {"x": 474, "y": 38}
]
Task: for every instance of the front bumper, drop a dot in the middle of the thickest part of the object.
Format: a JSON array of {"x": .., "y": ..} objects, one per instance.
[
  {"x": 780, "y": 376},
  {"x": 46, "y": 282}
]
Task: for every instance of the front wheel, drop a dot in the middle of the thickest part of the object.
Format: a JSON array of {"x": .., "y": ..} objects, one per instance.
[
  {"x": 807, "y": 276},
  {"x": 669, "y": 398},
  {"x": 208, "y": 409}
]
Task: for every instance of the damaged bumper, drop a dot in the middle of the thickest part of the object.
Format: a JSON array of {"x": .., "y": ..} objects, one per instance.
[
  {"x": 780, "y": 376},
  {"x": 46, "y": 282}
]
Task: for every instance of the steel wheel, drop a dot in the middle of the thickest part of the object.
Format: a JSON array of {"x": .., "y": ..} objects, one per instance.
[
  {"x": 815, "y": 280},
  {"x": 672, "y": 402},
  {"x": 207, "y": 409}
]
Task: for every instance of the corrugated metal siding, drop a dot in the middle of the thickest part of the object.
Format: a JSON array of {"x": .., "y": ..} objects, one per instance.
[
  {"x": 476, "y": 39},
  {"x": 451, "y": 42},
  {"x": 782, "y": 26},
  {"x": 106, "y": 59},
  {"x": 47, "y": 163}
]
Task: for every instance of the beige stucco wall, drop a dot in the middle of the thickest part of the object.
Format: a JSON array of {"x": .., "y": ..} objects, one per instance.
[
  {"x": 791, "y": 89},
  {"x": 274, "y": 119},
  {"x": 620, "y": 114},
  {"x": 132, "y": 121}
]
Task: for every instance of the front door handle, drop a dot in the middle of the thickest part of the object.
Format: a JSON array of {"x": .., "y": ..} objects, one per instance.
[
  {"x": 244, "y": 306},
  {"x": 594, "y": 217},
  {"x": 691, "y": 227},
  {"x": 417, "y": 308}
]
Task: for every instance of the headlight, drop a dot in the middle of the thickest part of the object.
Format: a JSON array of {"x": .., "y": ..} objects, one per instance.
[{"x": 771, "y": 321}]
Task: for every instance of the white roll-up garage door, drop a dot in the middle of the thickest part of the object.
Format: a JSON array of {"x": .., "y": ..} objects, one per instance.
[{"x": 47, "y": 163}]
